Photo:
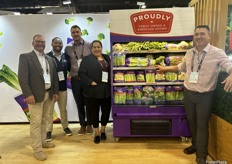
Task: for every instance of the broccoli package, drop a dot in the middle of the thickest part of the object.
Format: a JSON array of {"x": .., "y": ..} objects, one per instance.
[
  {"x": 137, "y": 95},
  {"x": 148, "y": 95},
  {"x": 179, "y": 94},
  {"x": 129, "y": 95},
  {"x": 150, "y": 75},
  {"x": 119, "y": 59},
  {"x": 170, "y": 94},
  {"x": 120, "y": 95},
  {"x": 119, "y": 77},
  {"x": 159, "y": 95}
]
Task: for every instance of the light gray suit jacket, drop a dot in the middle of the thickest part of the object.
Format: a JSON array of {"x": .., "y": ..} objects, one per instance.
[{"x": 31, "y": 79}]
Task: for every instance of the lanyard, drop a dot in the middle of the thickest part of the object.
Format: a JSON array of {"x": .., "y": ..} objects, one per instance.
[
  {"x": 82, "y": 50},
  {"x": 46, "y": 65},
  {"x": 200, "y": 63}
]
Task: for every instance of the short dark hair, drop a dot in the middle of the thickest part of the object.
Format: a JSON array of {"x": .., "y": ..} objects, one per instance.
[
  {"x": 75, "y": 26},
  {"x": 55, "y": 38},
  {"x": 98, "y": 41},
  {"x": 203, "y": 26}
]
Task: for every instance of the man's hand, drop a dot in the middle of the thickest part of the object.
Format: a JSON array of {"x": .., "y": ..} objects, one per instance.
[
  {"x": 30, "y": 100},
  {"x": 159, "y": 69},
  {"x": 55, "y": 97},
  {"x": 228, "y": 84}
]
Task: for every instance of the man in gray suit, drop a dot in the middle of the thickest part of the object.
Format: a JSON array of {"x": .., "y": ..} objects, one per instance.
[{"x": 39, "y": 84}]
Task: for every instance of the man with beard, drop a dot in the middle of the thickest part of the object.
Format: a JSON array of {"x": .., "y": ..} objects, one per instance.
[
  {"x": 61, "y": 68},
  {"x": 74, "y": 52}
]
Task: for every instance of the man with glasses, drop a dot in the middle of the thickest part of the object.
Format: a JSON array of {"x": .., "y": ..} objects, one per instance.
[
  {"x": 74, "y": 52},
  {"x": 39, "y": 84}
]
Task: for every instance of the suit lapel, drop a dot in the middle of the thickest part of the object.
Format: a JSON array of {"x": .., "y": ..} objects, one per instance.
[{"x": 36, "y": 62}]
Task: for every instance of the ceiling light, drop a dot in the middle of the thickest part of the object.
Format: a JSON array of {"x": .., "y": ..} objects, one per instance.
[
  {"x": 143, "y": 6},
  {"x": 140, "y": 3},
  {"x": 67, "y": 2},
  {"x": 16, "y": 13}
]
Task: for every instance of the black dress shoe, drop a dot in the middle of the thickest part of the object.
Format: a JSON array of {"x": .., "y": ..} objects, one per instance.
[
  {"x": 103, "y": 136},
  {"x": 190, "y": 150},
  {"x": 201, "y": 160},
  {"x": 96, "y": 139}
]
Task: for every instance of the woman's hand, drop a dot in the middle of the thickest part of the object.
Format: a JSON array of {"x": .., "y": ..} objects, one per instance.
[{"x": 93, "y": 83}]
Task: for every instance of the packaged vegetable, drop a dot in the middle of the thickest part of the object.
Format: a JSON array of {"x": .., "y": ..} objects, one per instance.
[
  {"x": 140, "y": 76},
  {"x": 159, "y": 95},
  {"x": 129, "y": 96},
  {"x": 129, "y": 76},
  {"x": 119, "y": 95},
  {"x": 174, "y": 59},
  {"x": 137, "y": 62},
  {"x": 171, "y": 76},
  {"x": 137, "y": 95},
  {"x": 119, "y": 77},
  {"x": 150, "y": 75},
  {"x": 159, "y": 77},
  {"x": 148, "y": 95}
]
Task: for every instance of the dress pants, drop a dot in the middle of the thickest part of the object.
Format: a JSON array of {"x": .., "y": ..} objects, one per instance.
[
  {"x": 95, "y": 104},
  {"x": 198, "y": 110},
  {"x": 83, "y": 110},
  {"x": 62, "y": 102},
  {"x": 39, "y": 113}
]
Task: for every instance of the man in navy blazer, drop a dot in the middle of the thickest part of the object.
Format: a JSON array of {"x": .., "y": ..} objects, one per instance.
[{"x": 38, "y": 80}]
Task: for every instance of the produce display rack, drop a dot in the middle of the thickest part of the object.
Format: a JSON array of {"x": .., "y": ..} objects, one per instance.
[{"x": 163, "y": 120}]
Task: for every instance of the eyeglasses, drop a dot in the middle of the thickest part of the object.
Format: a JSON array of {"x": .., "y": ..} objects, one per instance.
[{"x": 38, "y": 41}]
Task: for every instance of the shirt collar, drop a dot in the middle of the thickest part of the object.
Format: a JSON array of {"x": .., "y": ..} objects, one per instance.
[
  {"x": 206, "y": 49},
  {"x": 56, "y": 54},
  {"x": 38, "y": 53},
  {"x": 81, "y": 41}
]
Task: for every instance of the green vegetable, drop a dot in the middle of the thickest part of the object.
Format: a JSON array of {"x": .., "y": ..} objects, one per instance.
[
  {"x": 107, "y": 52},
  {"x": 67, "y": 21},
  {"x": 9, "y": 77},
  {"x": 89, "y": 19},
  {"x": 100, "y": 36},
  {"x": 108, "y": 26},
  {"x": 84, "y": 32}
]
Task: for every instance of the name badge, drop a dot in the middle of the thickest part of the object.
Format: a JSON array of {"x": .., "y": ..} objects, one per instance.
[
  {"x": 193, "y": 77},
  {"x": 104, "y": 76},
  {"x": 47, "y": 78},
  {"x": 79, "y": 62},
  {"x": 61, "y": 75}
]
